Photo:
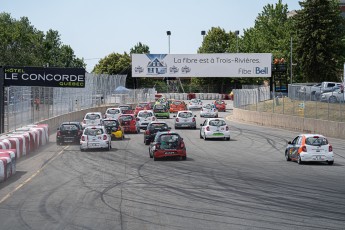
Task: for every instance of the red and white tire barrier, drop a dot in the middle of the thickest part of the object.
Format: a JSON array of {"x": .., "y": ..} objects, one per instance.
[{"x": 18, "y": 144}]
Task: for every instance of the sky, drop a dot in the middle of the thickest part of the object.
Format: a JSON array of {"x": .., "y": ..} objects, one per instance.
[{"x": 95, "y": 29}]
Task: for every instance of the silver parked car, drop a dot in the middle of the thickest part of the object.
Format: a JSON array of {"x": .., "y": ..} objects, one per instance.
[
  {"x": 332, "y": 97},
  {"x": 185, "y": 119}
]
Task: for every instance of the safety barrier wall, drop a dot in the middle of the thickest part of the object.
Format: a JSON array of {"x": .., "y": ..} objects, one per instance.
[{"x": 295, "y": 123}]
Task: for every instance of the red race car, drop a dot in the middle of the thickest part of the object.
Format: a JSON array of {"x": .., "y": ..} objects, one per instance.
[
  {"x": 220, "y": 105},
  {"x": 167, "y": 144},
  {"x": 129, "y": 123},
  {"x": 142, "y": 106},
  {"x": 177, "y": 105}
]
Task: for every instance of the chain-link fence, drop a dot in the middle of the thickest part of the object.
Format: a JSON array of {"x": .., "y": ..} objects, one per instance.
[
  {"x": 301, "y": 101},
  {"x": 27, "y": 105}
]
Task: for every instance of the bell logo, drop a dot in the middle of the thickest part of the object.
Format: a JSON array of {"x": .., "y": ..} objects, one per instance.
[{"x": 264, "y": 70}]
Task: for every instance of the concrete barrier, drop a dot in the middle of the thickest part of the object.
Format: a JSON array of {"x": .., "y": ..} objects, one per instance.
[{"x": 294, "y": 123}]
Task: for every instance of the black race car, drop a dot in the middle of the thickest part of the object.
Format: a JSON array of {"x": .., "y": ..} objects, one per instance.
[{"x": 69, "y": 132}]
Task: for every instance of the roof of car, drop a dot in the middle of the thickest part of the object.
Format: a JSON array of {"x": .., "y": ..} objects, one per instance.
[
  {"x": 70, "y": 123},
  {"x": 95, "y": 127},
  {"x": 215, "y": 118},
  {"x": 184, "y": 111},
  {"x": 312, "y": 135},
  {"x": 158, "y": 122}
]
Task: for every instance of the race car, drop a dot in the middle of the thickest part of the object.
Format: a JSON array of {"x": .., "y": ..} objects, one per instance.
[
  {"x": 214, "y": 128},
  {"x": 95, "y": 137},
  {"x": 309, "y": 148},
  {"x": 129, "y": 123},
  {"x": 114, "y": 128},
  {"x": 167, "y": 144},
  {"x": 220, "y": 105}
]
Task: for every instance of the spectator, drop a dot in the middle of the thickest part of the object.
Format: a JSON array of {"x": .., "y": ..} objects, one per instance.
[{"x": 37, "y": 103}]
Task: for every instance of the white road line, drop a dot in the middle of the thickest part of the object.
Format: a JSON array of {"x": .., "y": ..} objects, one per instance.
[{"x": 31, "y": 177}]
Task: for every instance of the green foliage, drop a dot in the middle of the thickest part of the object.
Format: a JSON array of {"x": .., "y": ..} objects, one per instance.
[
  {"x": 140, "y": 49},
  {"x": 113, "y": 64},
  {"x": 320, "y": 34},
  {"x": 21, "y": 44}
]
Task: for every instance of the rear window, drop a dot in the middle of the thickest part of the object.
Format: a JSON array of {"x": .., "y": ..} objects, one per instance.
[
  {"x": 159, "y": 106},
  {"x": 208, "y": 106},
  {"x": 316, "y": 141},
  {"x": 177, "y": 103},
  {"x": 219, "y": 102},
  {"x": 69, "y": 127},
  {"x": 93, "y": 131},
  {"x": 217, "y": 123},
  {"x": 185, "y": 115},
  {"x": 194, "y": 100},
  {"x": 93, "y": 116},
  {"x": 160, "y": 126},
  {"x": 169, "y": 138},
  {"x": 113, "y": 111},
  {"x": 125, "y": 107},
  {"x": 145, "y": 114},
  {"x": 110, "y": 123},
  {"x": 126, "y": 118},
  {"x": 143, "y": 105}
]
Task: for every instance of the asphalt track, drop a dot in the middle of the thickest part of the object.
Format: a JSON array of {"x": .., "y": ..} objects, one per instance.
[{"x": 244, "y": 183}]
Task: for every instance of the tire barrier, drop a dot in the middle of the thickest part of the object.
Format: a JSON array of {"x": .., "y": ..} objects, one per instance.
[{"x": 19, "y": 143}]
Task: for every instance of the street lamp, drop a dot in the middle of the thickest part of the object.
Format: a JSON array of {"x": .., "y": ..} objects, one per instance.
[
  {"x": 169, "y": 33},
  {"x": 237, "y": 32},
  {"x": 203, "y": 32}
]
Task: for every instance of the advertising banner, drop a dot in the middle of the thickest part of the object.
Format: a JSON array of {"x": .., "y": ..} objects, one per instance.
[
  {"x": 202, "y": 65},
  {"x": 46, "y": 77}
]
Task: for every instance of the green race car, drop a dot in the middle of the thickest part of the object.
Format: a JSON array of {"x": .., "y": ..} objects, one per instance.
[{"x": 160, "y": 110}]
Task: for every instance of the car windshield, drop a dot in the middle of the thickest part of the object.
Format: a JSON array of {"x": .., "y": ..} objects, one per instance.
[
  {"x": 316, "y": 141},
  {"x": 185, "y": 115},
  {"x": 208, "y": 106},
  {"x": 194, "y": 101},
  {"x": 177, "y": 103},
  {"x": 219, "y": 102},
  {"x": 143, "y": 105},
  {"x": 159, "y": 126},
  {"x": 93, "y": 116},
  {"x": 169, "y": 141},
  {"x": 125, "y": 107},
  {"x": 217, "y": 123},
  {"x": 145, "y": 114},
  {"x": 93, "y": 131},
  {"x": 110, "y": 123},
  {"x": 68, "y": 127}
]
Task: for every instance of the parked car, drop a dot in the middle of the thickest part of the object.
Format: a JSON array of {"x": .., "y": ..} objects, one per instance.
[
  {"x": 152, "y": 129},
  {"x": 209, "y": 110},
  {"x": 160, "y": 110},
  {"x": 214, "y": 128},
  {"x": 194, "y": 104},
  {"x": 144, "y": 117},
  {"x": 220, "y": 105},
  {"x": 177, "y": 105},
  {"x": 167, "y": 144},
  {"x": 142, "y": 106},
  {"x": 309, "y": 147},
  {"x": 129, "y": 123},
  {"x": 126, "y": 109},
  {"x": 333, "y": 97},
  {"x": 95, "y": 137},
  {"x": 69, "y": 132},
  {"x": 185, "y": 119},
  {"x": 316, "y": 90},
  {"x": 114, "y": 128},
  {"x": 112, "y": 113},
  {"x": 92, "y": 118}
]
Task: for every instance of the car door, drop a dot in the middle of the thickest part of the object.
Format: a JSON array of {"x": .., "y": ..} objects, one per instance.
[
  {"x": 293, "y": 148},
  {"x": 202, "y": 128}
]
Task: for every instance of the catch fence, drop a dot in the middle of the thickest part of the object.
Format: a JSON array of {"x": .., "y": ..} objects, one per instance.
[
  {"x": 300, "y": 101},
  {"x": 21, "y": 109}
]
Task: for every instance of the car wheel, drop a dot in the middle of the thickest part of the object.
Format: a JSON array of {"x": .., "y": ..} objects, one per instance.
[
  {"x": 205, "y": 138},
  {"x": 123, "y": 137},
  {"x": 184, "y": 158},
  {"x": 330, "y": 162},
  {"x": 332, "y": 99},
  {"x": 200, "y": 136},
  {"x": 82, "y": 150},
  {"x": 176, "y": 127},
  {"x": 147, "y": 142},
  {"x": 228, "y": 138},
  {"x": 299, "y": 160},
  {"x": 154, "y": 158},
  {"x": 287, "y": 157}
]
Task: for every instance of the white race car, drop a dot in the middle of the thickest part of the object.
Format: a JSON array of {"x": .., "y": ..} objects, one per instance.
[
  {"x": 144, "y": 117},
  {"x": 95, "y": 137},
  {"x": 214, "y": 128},
  {"x": 194, "y": 104},
  {"x": 209, "y": 110}
]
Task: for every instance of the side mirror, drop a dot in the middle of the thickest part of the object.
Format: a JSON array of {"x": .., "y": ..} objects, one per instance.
[
  {"x": 194, "y": 115},
  {"x": 169, "y": 128},
  {"x": 289, "y": 142},
  {"x": 58, "y": 128},
  {"x": 201, "y": 124},
  {"x": 174, "y": 116}
]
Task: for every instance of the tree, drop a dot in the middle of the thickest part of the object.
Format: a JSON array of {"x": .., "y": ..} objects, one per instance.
[
  {"x": 113, "y": 64},
  {"x": 140, "y": 49},
  {"x": 320, "y": 34}
]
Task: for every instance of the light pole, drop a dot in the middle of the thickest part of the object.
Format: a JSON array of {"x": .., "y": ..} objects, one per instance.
[
  {"x": 203, "y": 34},
  {"x": 237, "y": 32},
  {"x": 169, "y": 33}
]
